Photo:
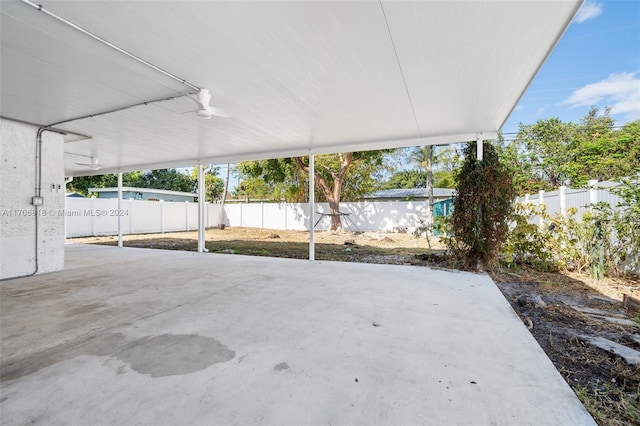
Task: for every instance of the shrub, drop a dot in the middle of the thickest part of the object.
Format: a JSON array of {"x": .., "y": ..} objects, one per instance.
[
  {"x": 557, "y": 245},
  {"x": 481, "y": 210},
  {"x": 605, "y": 243},
  {"x": 626, "y": 225}
]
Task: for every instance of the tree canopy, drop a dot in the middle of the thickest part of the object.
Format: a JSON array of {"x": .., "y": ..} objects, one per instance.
[
  {"x": 283, "y": 179},
  {"x": 340, "y": 177},
  {"x": 82, "y": 184},
  {"x": 168, "y": 179},
  {"x": 550, "y": 153},
  {"x": 213, "y": 184}
]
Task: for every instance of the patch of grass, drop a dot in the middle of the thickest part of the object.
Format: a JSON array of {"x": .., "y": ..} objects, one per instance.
[
  {"x": 300, "y": 250},
  {"x": 260, "y": 248},
  {"x": 611, "y": 407}
]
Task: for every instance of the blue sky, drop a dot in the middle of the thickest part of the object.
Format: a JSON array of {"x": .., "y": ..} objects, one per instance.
[{"x": 597, "y": 62}]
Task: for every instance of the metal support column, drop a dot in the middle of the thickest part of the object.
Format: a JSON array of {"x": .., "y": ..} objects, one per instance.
[
  {"x": 201, "y": 211},
  {"x": 312, "y": 197},
  {"x": 479, "y": 212},
  {"x": 120, "y": 243}
]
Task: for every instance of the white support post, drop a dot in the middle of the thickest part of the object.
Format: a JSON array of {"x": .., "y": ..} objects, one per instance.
[
  {"x": 562, "y": 193},
  {"x": 201, "y": 245},
  {"x": 312, "y": 196},
  {"x": 428, "y": 150},
  {"x": 120, "y": 242},
  {"x": 479, "y": 147}
]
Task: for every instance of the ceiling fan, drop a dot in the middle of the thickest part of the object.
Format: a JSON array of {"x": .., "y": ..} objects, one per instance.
[
  {"x": 204, "y": 109},
  {"x": 93, "y": 165}
]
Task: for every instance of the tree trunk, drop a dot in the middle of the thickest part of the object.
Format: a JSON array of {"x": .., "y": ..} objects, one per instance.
[
  {"x": 428, "y": 151},
  {"x": 331, "y": 194},
  {"x": 336, "y": 219}
]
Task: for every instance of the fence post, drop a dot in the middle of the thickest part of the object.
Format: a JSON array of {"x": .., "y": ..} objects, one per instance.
[
  {"x": 540, "y": 204},
  {"x": 186, "y": 215},
  {"x": 262, "y": 215},
  {"x": 286, "y": 212},
  {"x": 526, "y": 198},
  {"x": 93, "y": 217},
  {"x": 131, "y": 204},
  {"x": 563, "y": 200},
  {"x": 593, "y": 193},
  {"x": 162, "y": 216}
]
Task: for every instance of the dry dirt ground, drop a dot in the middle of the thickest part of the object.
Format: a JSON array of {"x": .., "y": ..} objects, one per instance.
[
  {"x": 369, "y": 247},
  {"x": 565, "y": 312}
]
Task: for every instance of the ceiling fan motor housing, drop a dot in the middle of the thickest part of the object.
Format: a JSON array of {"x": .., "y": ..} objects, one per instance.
[{"x": 203, "y": 113}]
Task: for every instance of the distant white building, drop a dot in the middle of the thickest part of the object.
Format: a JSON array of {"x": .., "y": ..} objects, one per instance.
[{"x": 148, "y": 194}]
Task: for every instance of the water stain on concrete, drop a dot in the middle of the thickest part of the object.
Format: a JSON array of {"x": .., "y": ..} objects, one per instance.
[
  {"x": 281, "y": 366},
  {"x": 101, "y": 345},
  {"x": 174, "y": 354}
]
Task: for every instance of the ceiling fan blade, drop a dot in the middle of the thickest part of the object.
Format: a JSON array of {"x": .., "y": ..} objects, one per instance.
[
  {"x": 220, "y": 112},
  {"x": 204, "y": 109},
  {"x": 204, "y": 113},
  {"x": 94, "y": 165}
]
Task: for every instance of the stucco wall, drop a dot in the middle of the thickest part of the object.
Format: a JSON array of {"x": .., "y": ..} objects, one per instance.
[{"x": 17, "y": 215}]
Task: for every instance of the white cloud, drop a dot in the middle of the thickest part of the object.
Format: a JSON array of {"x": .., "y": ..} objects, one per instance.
[
  {"x": 620, "y": 91},
  {"x": 589, "y": 10},
  {"x": 518, "y": 108}
]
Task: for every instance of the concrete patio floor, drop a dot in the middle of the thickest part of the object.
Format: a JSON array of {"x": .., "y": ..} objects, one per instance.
[{"x": 150, "y": 337}]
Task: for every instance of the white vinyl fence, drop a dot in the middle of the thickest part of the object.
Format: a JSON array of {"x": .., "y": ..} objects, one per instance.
[
  {"x": 367, "y": 216},
  {"x": 94, "y": 216},
  {"x": 581, "y": 199}
]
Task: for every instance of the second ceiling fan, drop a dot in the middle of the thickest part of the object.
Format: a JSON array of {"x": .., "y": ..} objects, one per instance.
[{"x": 204, "y": 109}]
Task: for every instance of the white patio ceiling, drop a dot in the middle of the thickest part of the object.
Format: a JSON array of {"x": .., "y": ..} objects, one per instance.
[{"x": 325, "y": 76}]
